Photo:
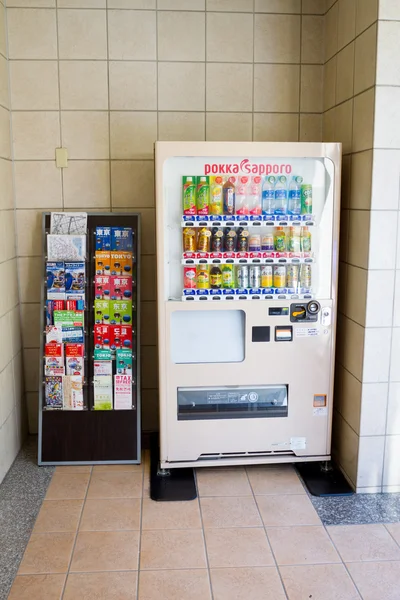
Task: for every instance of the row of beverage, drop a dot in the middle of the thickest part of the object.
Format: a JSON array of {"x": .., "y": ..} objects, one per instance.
[
  {"x": 295, "y": 239},
  {"x": 218, "y": 195},
  {"x": 245, "y": 276}
]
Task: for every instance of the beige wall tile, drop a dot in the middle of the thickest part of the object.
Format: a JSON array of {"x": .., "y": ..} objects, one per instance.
[
  {"x": 5, "y": 349},
  {"x": 30, "y": 325},
  {"x": 31, "y": 370},
  {"x": 4, "y": 99},
  {"x": 330, "y": 69},
  {"x": 30, "y": 273},
  {"x": 7, "y": 387},
  {"x": 387, "y": 117},
  {"x": 37, "y": 185},
  {"x": 312, "y": 40},
  {"x": 312, "y": 81},
  {"x": 386, "y": 168},
  {"x": 144, "y": 4},
  {"x": 150, "y": 414},
  {"x": 87, "y": 183},
  {"x": 133, "y": 85},
  {"x": 388, "y": 68},
  {"x": 10, "y": 298},
  {"x": 343, "y": 125},
  {"x": 345, "y": 73},
  {"x": 34, "y": 85},
  {"x": 6, "y": 187},
  {"x": 393, "y": 416},
  {"x": 389, "y": 9},
  {"x": 189, "y": 44},
  {"x": 181, "y": 5},
  {"x": 84, "y": 85},
  {"x": 148, "y": 284},
  {"x": 380, "y": 305},
  {"x": 32, "y": 33},
  {"x": 276, "y": 127},
  {"x": 85, "y": 134},
  {"x": 346, "y": 181},
  {"x": 278, "y": 6},
  {"x": 240, "y": 27},
  {"x": 132, "y": 183},
  {"x": 370, "y": 461},
  {"x": 374, "y": 396},
  {"x": 29, "y": 230},
  {"x": 363, "y": 126},
  {"x": 356, "y": 294},
  {"x": 31, "y": 3},
  {"x": 229, "y": 127},
  {"x": 5, "y": 142},
  {"x": 361, "y": 178},
  {"x": 359, "y": 224},
  {"x": 82, "y": 34},
  {"x": 181, "y": 126},
  {"x": 32, "y": 401},
  {"x": 3, "y": 43},
  {"x": 283, "y": 96},
  {"x": 9, "y": 241},
  {"x": 382, "y": 240},
  {"x": 148, "y": 317},
  {"x": 365, "y": 61},
  {"x": 229, "y": 86},
  {"x": 313, "y": 7},
  {"x": 149, "y": 367},
  {"x": 132, "y": 35},
  {"x": 176, "y": 82},
  {"x": 133, "y": 134},
  {"x": 228, "y": 5},
  {"x": 277, "y": 38},
  {"x": 36, "y": 135},
  {"x": 354, "y": 347},
  {"x": 81, "y": 3},
  {"x": 395, "y": 356},
  {"x": 331, "y": 32},
  {"x": 346, "y": 22},
  {"x": 348, "y": 401},
  {"x": 345, "y": 447},
  {"x": 366, "y": 14},
  {"x": 328, "y": 126},
  {"x": 310, "y": 128},
  {"x": 391, "y": 475},
  {"x": 377, "y": 354}
]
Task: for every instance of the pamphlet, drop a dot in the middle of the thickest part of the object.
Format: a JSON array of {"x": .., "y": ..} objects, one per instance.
[
  {"x": 121, "y": 263},
  {"x": 74, "y": 359},
  {"x": 68, "y": 318},
  {"x": 103, "y": 238},
  {"x": 101, "y": 311},
  {"x": 68, "y": 223},
  {"x": 121, "y": 287},
  {"x": 102, "y": 367},
  {"x": 123, "y": 392},
  {"x": 72, "y": 334},
  {"x": 103, "y": 392},
  {"x": 121, "y": 312},
  {"x": 54, "y": 334},
  {"x": 102, "y": 287},
  {"x": 74, "y": 278},
  {"x": 120, "y": 337},
  {"x": 123, "y": 364},
  {"x": 101, "y": 337},
  {"x": 66, "y": 247},
  {"x": 55, "y": 275},
  {"x": 103, "y": 262},
  {"x": 121, "y": 238},
  {"x": 54, "y": 391}
]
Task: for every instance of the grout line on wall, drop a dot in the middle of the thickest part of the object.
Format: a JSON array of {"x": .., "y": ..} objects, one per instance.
[
  {"x": 59, "y": 102},
  {"x": 300, "y": 68},
  {"x": 109, "y": 108},
  {"x": 157, "y": 88},
  {"x": 205, "y": 74},
  {"x": 253, "y": 65}
]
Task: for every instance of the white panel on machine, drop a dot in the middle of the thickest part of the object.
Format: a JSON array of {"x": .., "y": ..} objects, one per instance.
[{"x": 191, "y": 341}]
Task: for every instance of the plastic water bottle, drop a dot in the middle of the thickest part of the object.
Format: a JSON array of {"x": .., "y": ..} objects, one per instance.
[
  {"x": 268, "y": 195},
  {"x": 255, "y": 196},
  {"x": 281, "y": 196},
  {"x": 242, "y": 199},
  {"x": 294, "y": 207}
]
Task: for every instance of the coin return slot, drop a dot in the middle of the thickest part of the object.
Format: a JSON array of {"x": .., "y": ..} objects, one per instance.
[{"x": 284, "y": 334}]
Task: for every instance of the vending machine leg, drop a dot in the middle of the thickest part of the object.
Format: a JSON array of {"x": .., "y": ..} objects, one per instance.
[
  {"x": 169, "y": 485},
  {"x": 323, "y": 479}
]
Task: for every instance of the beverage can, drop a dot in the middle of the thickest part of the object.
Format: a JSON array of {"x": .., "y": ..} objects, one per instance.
[
  {"x": 306, "y": 199},
  {"x": 189, "y": 239},
  {"x": 305, "y": 276},
  {"x": 189, "y": 277},
  {"x": 203, "y": 241},
  {"x": 216, "y": 200},
  {"x": 216, "y": 239},
  {"x": 203, "y": 195},
  {"x": 255, "y": 242},
  {"x": 255, "y": 276},
  {"x": 266, "y": 276},
  {"x": 292, "y": 276},
  {"x": 189, "y": 195},
  {"x": 279, "y": 276},
  {"x": 215, "y": 278},
  {"x": 230, "y": 240},
  {"x": 227, "y": 277},
  {"x": 242, "y": 276},
  {"x": 267, "y": 242},
  {"x": 203, "y": 277}
]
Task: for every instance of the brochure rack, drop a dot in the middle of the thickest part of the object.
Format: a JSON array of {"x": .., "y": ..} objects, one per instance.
[{"x": 91, "y": 436}]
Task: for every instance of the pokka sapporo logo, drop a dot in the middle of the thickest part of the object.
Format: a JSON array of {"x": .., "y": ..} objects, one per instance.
[{"x": 245, "y": 166}]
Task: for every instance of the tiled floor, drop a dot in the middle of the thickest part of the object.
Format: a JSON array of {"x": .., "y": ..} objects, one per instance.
[{"x": 253, "y": 534}]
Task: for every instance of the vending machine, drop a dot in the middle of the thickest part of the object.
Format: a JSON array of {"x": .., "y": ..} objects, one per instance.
[{"x": 247, "y": 266}]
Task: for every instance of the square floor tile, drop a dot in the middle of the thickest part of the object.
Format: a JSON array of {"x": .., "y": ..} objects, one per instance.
[
  {"x": 394, "y": 530},
  {"x": 111, "y": 514},
  {"x": 364, "y": 542},
  {"x": 175, "y": 585},
  {"x": 302, "y": 545},
  {"x": 242, "y": 547},
  {"x": 105, "y": 551},
  {"x": 116, "y": 468},
  {"x": 37, "y": 587},
  {"x": 283, "y": 511},
  {"x": 230, "y": 512},
  {"x": 377, "y": 580},
  {"x": 47, "y": 553},
  {"x": 320, "y": 582},
  {"x": 223, "y": 482},
  {"x": 115, "y": 485},
  {"x": 275, "y": 480},
  {"x": 96, "y": 586},
  {"x": 255, "y": 583},
  {"x": 58, "y": 515},
  {"x": 73, "y": 469},
  {"x": 170, "y": 549},
  {"x": 68, "y": 486},
  {"x": 171, "y": 515}
]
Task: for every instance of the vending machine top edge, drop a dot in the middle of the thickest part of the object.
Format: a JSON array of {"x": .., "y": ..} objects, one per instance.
[{"x": 247, "y": 266}]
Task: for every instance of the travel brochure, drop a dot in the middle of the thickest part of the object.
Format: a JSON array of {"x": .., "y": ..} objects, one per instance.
[{"x": 66, "y": 351}]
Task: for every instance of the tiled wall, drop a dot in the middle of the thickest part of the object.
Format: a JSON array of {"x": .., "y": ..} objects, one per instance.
[
  {"x": 106, "y": 78},
  {"x": 12, "y": 413}
]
